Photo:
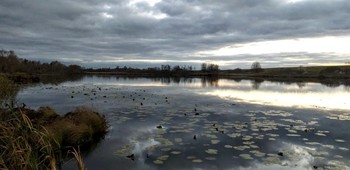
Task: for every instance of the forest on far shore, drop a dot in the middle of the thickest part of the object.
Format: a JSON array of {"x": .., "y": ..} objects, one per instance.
[{"x": 12, "y": 65}]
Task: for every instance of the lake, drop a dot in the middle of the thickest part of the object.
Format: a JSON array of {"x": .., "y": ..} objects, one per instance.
[{"x": 194, "y": 123}]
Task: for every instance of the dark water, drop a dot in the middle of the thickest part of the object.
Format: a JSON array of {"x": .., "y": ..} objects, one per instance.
[{"x": 208, "y": 124}]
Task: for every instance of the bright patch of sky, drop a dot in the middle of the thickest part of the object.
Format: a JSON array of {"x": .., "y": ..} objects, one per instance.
[
  {"x": 150, "y": 13},
  {"x": 329, "y": 44}
]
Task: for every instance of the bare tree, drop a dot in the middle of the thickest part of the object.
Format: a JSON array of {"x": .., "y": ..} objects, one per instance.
[
  {"x": 204, "y": 67},
  {"x": 256, "y": 66}
]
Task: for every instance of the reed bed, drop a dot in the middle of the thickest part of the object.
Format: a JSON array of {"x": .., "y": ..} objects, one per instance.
[{"x": 35, "y": 139}]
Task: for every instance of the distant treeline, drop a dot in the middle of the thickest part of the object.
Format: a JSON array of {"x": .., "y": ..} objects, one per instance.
[
  {"x": 163, "y": 70},
  {"x": 341, "y": 71},
  {"x": 10, "y": 63}
]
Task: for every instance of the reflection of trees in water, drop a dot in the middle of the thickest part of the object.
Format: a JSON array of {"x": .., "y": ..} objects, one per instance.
[
  {"x": 237, "y": 80},
  {"x": 214, "y": 81},
  {"x": 347, "y": 85},
  {"x": 205, "y": 81},
  {"x": 331, "y": 83},
  {"x": 210, "y": 82},
  {"x": 58, "y": 79},
  {"x": 301, "y": 84},
  {"x": 176, "y": 80},
  {"x": 347, "y": 88},
  {"x": 256, "y": 83}
]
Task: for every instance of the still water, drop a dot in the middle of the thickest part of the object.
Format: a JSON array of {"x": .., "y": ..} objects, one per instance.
[{"x": 208, "y": 124}]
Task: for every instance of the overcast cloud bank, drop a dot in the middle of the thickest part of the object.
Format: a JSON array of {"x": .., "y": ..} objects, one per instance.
[{"x": 147, "y": 33}]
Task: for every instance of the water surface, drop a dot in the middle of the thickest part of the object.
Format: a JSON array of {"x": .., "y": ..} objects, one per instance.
[{"x": 208, "y": 123}]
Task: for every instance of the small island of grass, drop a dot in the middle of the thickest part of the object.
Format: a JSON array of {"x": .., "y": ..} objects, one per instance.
[{"x": 38, "y": 139}]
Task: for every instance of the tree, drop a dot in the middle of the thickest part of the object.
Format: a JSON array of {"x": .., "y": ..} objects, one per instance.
[
  {"x": 204, "y": 67},
  {"x": 256, "y": 67},
  {"x": 212, "y": 67}
]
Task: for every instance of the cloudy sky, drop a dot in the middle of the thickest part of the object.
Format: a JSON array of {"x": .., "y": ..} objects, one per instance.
[{"x": 144, "y": 33}]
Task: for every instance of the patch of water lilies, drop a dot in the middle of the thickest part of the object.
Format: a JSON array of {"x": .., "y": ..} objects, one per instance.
[
  {"x": 280, "y": 113},
  {"x": 199, "y": 133},
  {"x": 339, "y": 116},
  {"x": 271, "y": 126}
]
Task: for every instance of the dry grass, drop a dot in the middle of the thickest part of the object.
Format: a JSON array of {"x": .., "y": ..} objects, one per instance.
[
  {"x": 78, "y": 159},
  {"x": 8, "y": 90},
  {"x": 25, "y": 146},
  {"x": 81, "y": 127},
  {"x": 34, "y": 139}
]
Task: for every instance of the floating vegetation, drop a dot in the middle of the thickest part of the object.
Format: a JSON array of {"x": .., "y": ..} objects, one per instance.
[
  {"x": 272, "y": 160},
  {"x": 211, "y": 151},
  {"x": 320, "y": 134},
  {"x": 166, "y": 149},
  {"x": 338, "y": 157},
  {"x": 258, "y": 153},
  {"x": 197, "y": 161},
  {"x": 246, "y": 156},
  {"x": 248, "y": 142},
  {"x": 234, "y": 135},
  {"x": 158, "y": 162},
  {"x": 163, "y": 157},
  {"x": 343, "y": 148},
  {"x": 212, "y": 136},
  {"x": 292, "y": 131},
  {"x": 189, "y": 130},
  {"x": 164, "y": 142},
  {"x": 342, "y": 116},
  {"x": 276, "y": 113},
  {"x": 247, "y": 137},
  {"x": 294, "y": 121},
  {"x": 293, "y": 135},
  {"x": 190, "y": 157},
  {"x": 228, "y": 146},
  {"x": 311, "y": 123},
  {"x": 339, "y": 140},
  {"x": 175, "y": 152},
  {"x": 241, "y": 148},
  {"x": 178, "y": 140},
  {"x": 124, "y": 150},
  {"x": 214, "y": 142},
  {"x": 210, "y": 158}
]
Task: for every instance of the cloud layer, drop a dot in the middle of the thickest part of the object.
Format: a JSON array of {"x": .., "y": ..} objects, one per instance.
[{"x": 138, "y": 32}]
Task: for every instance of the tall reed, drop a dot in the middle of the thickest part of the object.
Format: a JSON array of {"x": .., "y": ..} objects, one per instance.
[{"x": 23, "y": 145}]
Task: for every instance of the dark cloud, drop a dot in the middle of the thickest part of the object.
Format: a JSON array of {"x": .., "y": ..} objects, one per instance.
[{"x": 84, "y": 31}]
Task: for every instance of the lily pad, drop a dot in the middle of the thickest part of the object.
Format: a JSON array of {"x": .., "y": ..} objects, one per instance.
[
  {"x": 246, "y": 156},
  {"x": 197, "y": 161},
  {"x": 214, "y": 142},
  {"x": 158, "y": 162},
  {"x": 211, "y": 151},
  {"x": 175, "y": 152},
  {"x": 210, "y": 158}
]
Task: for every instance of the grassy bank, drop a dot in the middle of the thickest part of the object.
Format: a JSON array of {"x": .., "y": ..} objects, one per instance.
[
  {"x": 36, "y": 139},
  {"x": 319, "y": 72}
]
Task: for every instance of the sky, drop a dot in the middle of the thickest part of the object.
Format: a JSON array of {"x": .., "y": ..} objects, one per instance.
[{"x": 148, "y": 33}]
